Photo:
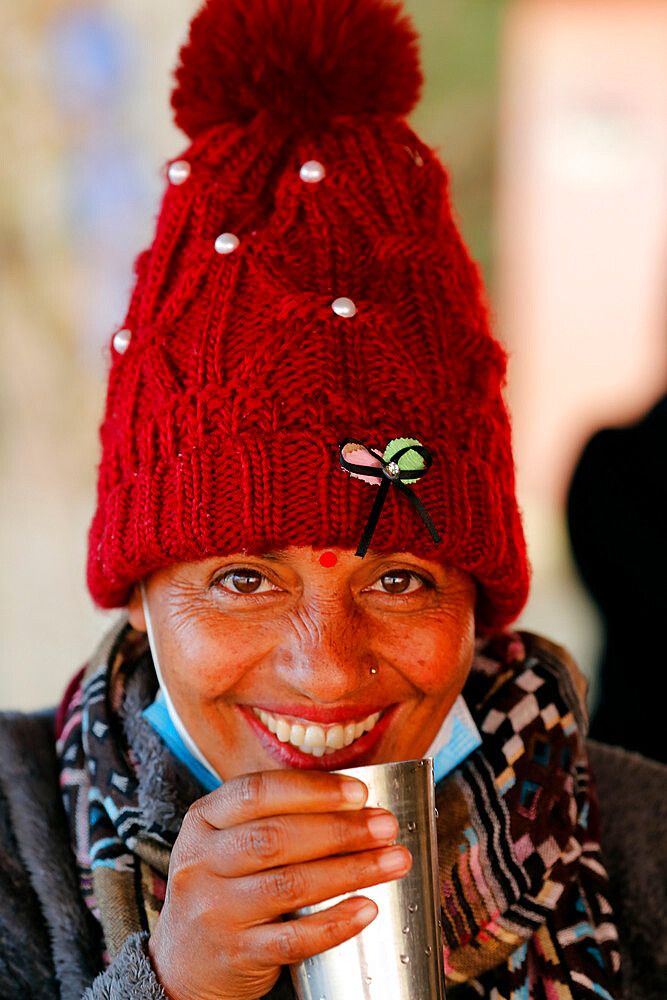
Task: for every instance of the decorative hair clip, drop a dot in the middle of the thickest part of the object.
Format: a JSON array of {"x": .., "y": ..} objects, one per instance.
[{"x": 405, "y": 460}]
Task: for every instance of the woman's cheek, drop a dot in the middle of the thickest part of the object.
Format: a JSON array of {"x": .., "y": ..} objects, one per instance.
[
  {"x": 434, "y": 656},
  {"x": 218, "y": 659}
]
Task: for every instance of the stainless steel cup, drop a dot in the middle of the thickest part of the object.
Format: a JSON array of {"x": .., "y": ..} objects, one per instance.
[{"x": 399, "y": 955}]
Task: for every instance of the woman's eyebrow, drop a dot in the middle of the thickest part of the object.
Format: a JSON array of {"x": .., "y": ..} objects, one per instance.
[{"x": 273, "y": 556}]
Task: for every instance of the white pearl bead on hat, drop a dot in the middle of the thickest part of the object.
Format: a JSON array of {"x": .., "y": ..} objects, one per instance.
[
  {"x": 312, "y": 172},
  {"x": 344, "y": 307},
  {"x": 226, "y": 243},
  {"x": 178, "y": 172},
  {"x": 121, "y": 341}
]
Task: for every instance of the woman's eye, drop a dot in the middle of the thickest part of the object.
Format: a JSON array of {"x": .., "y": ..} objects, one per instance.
[
  {"x": 245, "y": 581},
  {"x": 399, "y": 581}
]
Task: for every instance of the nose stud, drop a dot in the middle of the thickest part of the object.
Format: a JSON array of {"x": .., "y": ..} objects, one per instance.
[{"x": 373, "y": 670}]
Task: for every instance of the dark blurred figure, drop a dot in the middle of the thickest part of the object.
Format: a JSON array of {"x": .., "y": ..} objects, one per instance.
[{"x": 617, "y": 515}]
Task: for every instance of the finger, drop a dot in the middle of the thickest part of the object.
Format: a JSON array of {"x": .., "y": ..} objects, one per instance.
[
  {"x": 269, "y": 793},
  {"x": 273, "y": 893},
  {"x": 285, "y": 840},
  {"x": 298, "y": 939}
]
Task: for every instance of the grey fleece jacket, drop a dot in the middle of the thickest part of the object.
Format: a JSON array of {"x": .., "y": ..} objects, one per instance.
[{"x": 50, "y": 943}]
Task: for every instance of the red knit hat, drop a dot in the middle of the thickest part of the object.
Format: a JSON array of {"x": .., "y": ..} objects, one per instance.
[{"x": 307, "y": 308}]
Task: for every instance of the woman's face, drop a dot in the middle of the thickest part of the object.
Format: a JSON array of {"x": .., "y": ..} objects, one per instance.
[{"x": 280, "y": 661}]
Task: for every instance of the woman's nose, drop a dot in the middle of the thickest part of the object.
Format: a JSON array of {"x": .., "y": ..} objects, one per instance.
[{"x": 330, "y": 662}]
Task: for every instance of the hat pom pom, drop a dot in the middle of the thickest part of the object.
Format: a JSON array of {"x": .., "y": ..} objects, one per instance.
[{"x": 303, "y": 61}]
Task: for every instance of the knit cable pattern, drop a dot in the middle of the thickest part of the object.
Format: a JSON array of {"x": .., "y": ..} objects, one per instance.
[{"x": 225, "y": 414}]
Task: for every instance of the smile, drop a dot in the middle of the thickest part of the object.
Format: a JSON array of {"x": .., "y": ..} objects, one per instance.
[{"x": 312, "y": 739}]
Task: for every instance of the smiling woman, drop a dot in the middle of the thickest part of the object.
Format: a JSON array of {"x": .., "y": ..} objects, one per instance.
[
  {"x": 274, "y": 663},
  {"x": 306, "y": 513}
]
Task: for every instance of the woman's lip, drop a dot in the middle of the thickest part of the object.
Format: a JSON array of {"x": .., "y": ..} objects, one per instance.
[
  {"x": 323, "y": 716},
  {"x": 290, "y": 756}
]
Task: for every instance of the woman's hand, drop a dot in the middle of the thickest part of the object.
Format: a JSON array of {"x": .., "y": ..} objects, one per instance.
[{"x": 262, "y": 846}]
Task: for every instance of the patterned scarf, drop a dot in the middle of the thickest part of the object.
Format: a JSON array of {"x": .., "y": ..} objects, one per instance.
[
  {"x": 523, "y": 885},
  {"x": 122, "y": 850}
]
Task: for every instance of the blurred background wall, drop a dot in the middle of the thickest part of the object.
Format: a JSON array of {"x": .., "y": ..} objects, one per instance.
[{"x": 551, "y": 116}]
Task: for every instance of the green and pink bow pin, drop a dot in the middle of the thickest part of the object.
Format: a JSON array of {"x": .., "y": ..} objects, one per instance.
[{"x": 404, "y": 460}]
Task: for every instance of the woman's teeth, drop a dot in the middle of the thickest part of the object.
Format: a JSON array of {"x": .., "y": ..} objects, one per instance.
[{"x": 312, "y": 739}]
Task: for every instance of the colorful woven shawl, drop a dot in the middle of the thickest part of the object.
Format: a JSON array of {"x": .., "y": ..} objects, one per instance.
[{"x": 523, "y": 884}]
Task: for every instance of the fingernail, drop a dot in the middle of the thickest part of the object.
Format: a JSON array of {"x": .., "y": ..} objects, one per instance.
[
  {"x": 383, "y": 826},
  {"x": 366, "y": 913},
  {"x": 393, "y": 860},
  {"x": 354, "y": 791}
]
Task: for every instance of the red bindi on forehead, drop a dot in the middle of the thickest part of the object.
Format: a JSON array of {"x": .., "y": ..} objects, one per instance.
[{"x": 328, "y": 559}]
